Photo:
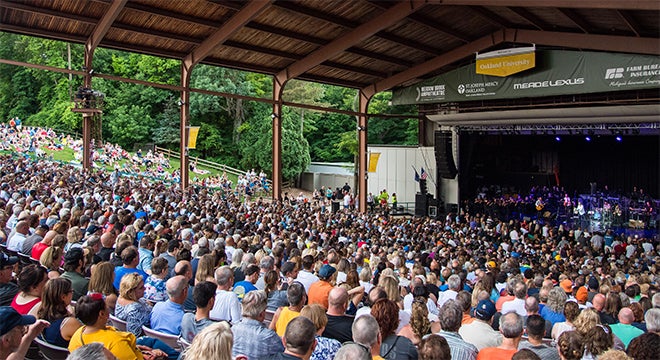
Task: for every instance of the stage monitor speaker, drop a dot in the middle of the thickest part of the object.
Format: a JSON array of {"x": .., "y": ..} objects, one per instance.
[
  {"x": 421, "y": 204},
  {"x": 444, "y": 155}
]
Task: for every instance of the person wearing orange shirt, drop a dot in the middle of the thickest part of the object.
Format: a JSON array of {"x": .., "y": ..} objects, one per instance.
[
  {"x": 511, "y": 327},
  {"x": 318, "y": 292}
]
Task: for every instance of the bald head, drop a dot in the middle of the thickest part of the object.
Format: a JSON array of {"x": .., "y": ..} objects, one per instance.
[
  {"x": 176, "y": 288},
  {"x": 48, "y": 238},
  {"x": 531, "y": 305},
  {"x": 598, "y": 302},
  {"x": 108, "y": 240},
  {"x": 337, "y": 300},
  {"x": 183, "y": 267},
  {"x": 626, "y": 316}
]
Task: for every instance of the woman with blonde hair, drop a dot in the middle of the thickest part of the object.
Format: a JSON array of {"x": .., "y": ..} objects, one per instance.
[
  {"x": 51, "y": 259},
  {"x": 103, "y": 275},
  {"x": 205, "y": 269},
  {"x": 419, "y": 322},
  {"x": 131, "y": 307},
  {"x": 326, "y": 348},
  {"x": 214, "y": 342},
  {"x": 73, "y": 238},
  {"x": 391, "y": 286}
]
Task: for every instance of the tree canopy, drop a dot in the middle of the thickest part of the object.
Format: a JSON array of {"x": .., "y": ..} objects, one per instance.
[{"x": 233, "y": 131}]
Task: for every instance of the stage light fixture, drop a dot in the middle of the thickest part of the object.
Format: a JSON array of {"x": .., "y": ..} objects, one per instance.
[
  {"x": 557, "y": 138},
  {"x": 618, "y": 138},
  {"x": 588, "y": 138}
]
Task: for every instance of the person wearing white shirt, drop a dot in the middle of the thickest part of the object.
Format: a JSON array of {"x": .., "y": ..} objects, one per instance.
[
  {"x": 516, "y": 305},
  {"x": 15, "y": 242},
  {"x": 454, "y": 284},
  {"x": 305, "y": 276},
  {"x": 226, "y": 307}
]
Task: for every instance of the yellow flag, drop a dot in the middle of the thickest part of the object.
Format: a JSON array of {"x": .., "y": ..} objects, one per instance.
[
  {"x": 192, "y": 136},
  {"x": 373, "y": 161}
]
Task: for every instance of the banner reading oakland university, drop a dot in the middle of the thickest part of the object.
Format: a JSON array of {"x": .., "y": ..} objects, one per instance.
[{"x": 557, "y": 73}]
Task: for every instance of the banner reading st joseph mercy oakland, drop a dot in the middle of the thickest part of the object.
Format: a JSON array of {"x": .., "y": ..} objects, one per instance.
[{"x": 557, "y": 72}]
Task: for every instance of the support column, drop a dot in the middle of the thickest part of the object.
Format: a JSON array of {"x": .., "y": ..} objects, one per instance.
[
  {"x": 363, "y": 170},
  {"x": 186, "y": 70},
  {"x": 278, "y": 88},
  {"x": 87, "y": 117}
]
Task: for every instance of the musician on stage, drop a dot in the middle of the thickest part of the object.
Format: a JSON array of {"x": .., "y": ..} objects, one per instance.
[{"x": 539, "y": 207}]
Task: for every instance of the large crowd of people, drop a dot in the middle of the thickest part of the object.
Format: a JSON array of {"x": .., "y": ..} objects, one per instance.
[{"x": 123, "y": 259}]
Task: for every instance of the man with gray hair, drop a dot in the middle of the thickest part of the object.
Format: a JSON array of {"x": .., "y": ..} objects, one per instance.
[
  {"x": 226, "y": 307},
  {"x": 450, "y": 321},
  {"x": 166, "y": 316},
  {"x": 266, "y": 264},
  {"x": 251, "y": 337},
  {"x": 353, "y": 351},
  {"x": 454, "y": 286},
  {"x": 652, "y": 319},
  {"x": 92, "y": 351},
  {"x": 511, "y": 327},
  {"x": 366, "y": 332}
]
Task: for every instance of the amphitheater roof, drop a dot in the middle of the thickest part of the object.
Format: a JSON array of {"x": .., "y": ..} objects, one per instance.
[{"x": 356, "y": 43}]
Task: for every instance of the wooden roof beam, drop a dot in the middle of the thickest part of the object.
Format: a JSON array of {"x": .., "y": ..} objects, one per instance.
[
  {"x": 104, "y": 24},
  {"x": 490, "y": 17},
  {"x": 568, "y": 4},
  {"x": 612, "y": 43},
  {"x": 49, "y": 12},
  {"x": 577, "y": 20},
  {"x": 221, "y": 34},
  {"x": 530, "y": 18},
  {"x": 359, "y": 34},
  {"x": 351, "y": 25},
  {"x": 423, "y": 20},
  {"x": 233, "y": 5},
  {"x": 630, "y": 22}
]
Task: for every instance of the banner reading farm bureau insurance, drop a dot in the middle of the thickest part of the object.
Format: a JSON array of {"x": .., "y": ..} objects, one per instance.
[{"x": 557, "y": 73}]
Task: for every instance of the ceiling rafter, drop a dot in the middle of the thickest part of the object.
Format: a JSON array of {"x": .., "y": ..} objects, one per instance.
[
  {"x": 491, "y": 17},
  {"x": 251, "y": 10},
  {"x": 423, "y": 20},
  {"x": 234, "y": 5},
  {"x": 530, "y": 18},
  {"x": 355, "y": 36},
  {"x": 630, "y": 22},
  {"x": 577, "y": 20},
  {"x": 351, "y": 25},
  {"x": 582, "y": 4}
]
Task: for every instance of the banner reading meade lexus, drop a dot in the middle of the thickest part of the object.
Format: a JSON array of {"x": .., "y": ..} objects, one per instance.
[{"x": 557, "y": 73}]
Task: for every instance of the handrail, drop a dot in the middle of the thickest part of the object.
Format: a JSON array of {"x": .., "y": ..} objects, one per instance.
[{"x": 207, "y": 163}]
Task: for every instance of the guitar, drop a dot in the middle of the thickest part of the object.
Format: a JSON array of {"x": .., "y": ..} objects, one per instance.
[{"x": 539, "y": 205}]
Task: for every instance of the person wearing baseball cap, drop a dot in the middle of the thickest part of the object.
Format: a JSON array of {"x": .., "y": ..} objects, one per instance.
[
  {"x": 319, "y": 291},
  {"x": 479, "y": 332},
  {"x": 15, "y": 336},
  {"x": 8, "y": 289}
]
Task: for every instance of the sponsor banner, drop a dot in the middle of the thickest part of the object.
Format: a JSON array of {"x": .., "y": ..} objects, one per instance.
[
  {"x": 505, "y": 65},
  {"x": 373, "y": 161},
  {"x": 557, "y": 72},
  {"x": 192, "y": 136}
]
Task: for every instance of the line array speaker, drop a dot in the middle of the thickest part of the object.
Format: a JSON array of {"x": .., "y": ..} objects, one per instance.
[{"x": 444, "y": 156}]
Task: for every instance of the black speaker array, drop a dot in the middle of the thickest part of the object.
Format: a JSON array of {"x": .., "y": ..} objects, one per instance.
[{"x": 444, "y": 157}]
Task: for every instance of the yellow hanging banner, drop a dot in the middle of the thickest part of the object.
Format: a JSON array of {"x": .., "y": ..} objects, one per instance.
[
  {"x": 505, "y": 64},
  {"x": 192, "y": 136},
  {"x": 373, "y": 161}
]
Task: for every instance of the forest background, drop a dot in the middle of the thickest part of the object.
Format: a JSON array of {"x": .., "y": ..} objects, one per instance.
[{"x": 233, "y": 132}]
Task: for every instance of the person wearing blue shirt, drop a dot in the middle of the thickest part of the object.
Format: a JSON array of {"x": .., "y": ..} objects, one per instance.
[
  {"x": 166, "y": 316},
  {"x": 243, "y": 287},
  {"x": 130, "y": 257}
]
